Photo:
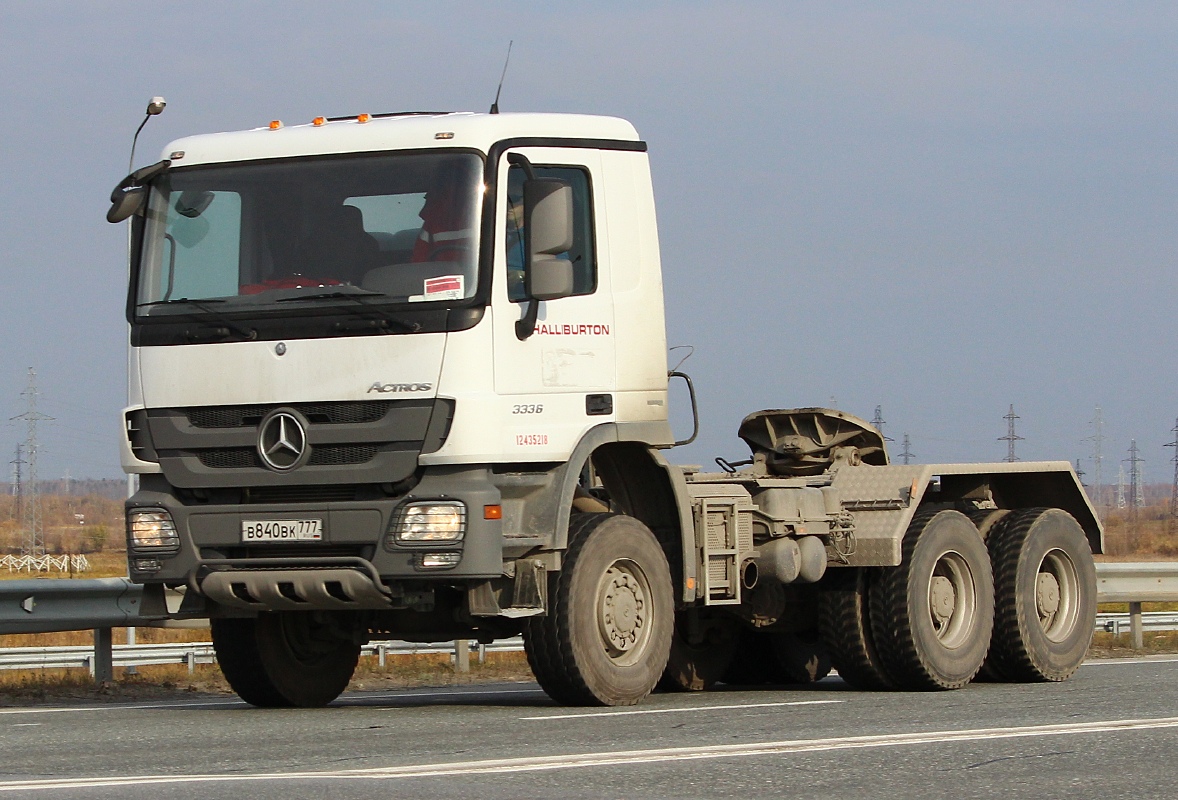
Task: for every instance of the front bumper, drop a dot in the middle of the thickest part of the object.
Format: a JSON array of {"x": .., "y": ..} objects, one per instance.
[{"x": 354, "y": 538}]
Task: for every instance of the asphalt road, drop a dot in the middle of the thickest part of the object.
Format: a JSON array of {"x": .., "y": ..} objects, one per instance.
[{"x": 1110, "y": 732}]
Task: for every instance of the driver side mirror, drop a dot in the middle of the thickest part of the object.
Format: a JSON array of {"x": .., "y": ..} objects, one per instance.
[
  {"x": 125, "y": 202},
  {"x": 128, "y": 197},
  {"x": 548, "y": 229}
]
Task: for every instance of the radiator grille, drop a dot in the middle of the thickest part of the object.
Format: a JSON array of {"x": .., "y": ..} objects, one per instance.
[
  {"x": 330, "y": 493},
  {"x": 319, "y": 413},
  {"x": 230, "y": 458},
  {"x": 323, "y": 455},
  {"x": 335, "y": 455}
]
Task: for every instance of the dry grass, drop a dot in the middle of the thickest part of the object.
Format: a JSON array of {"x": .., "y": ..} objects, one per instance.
[
  {"x": 1105, "y": 645},
  {"x": 1146, "y": 535}
]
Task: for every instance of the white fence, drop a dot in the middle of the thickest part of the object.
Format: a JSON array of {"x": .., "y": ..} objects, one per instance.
[{"x": 46, "y": 563}]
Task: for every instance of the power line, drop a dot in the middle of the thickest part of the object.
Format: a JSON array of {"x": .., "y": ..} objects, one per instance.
[
  {"x": 1170, "y": 523},
  {"x": 17, "y": 486},
  {"x": 907, "y": 454},
  {"x": 878, "y": 422},
  {"x": 1136, "y": 487},
  {"x": 1011, "y": 437},
  {"x": 1097, "y": 439},
  {"x": 33, "y": 541}
]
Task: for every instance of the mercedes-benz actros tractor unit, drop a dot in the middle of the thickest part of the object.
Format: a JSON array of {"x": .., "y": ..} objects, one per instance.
[{"x": 405, "y": 376}]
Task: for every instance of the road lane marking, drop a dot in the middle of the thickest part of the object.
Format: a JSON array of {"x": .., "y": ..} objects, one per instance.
[
  {"x": 606, "y": 758},
  {"x": 1117, "y": 662},
  {"x": 682, "y": 710}
]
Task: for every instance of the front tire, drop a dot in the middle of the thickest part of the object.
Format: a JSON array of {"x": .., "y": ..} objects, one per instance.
[
  {"x": 932, "y": 616},
  {"x": 607, "y": 635},
  {"x": 1045, "y": 596}
]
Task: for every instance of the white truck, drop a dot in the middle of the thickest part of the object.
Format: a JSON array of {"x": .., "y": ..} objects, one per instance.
[{"x": 405, "y": 375}]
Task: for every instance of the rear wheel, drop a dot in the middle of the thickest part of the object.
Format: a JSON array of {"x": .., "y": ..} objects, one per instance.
[
  {"x": 845, "y": 628},
  {"x": 702, "y": 648},
  {"x": 607, "y": 635},
  {"x": 931, "y": 616},
  {"x": 777, "y": 657},
  {"x": 236, "y": 646},
  {"x": 286, "y": 658},
  {"x": 1045, "y": 595},
  {"x": 799, "y": 657}
]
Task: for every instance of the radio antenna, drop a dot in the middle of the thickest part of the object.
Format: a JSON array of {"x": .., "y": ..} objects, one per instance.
[{"x": 495, "y": 105}]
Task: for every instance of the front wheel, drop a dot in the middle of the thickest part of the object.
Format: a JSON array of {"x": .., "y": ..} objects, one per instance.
[{"x": 607, "y": 635}]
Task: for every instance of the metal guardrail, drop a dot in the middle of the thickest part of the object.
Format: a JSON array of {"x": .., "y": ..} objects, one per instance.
[
  {"x": 62, "y": 604},
  {"x": 193, "y": 653},
  {"x": 1136, "y": 583},
  {"x": 1116, "y": 624},
  {"x": 101, "y": 604}
]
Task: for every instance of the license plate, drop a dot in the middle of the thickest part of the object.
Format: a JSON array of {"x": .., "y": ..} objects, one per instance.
[{"x": 282, "y": 530}]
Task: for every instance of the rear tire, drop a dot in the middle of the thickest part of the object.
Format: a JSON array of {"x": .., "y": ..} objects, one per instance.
[
  {"x": 1045, "y": 596},
  {"x": 696, "y": 666},
  {"x": 285, "y": 658},
  {"x": 845, "y": 627},
  {"x": 607, "y": 635},
  {"x": 932, "y": 616},
  {"x": 777, "y": 657},
  {"x": 800, "y": 657},
  {"x": 751, "y": 664}
]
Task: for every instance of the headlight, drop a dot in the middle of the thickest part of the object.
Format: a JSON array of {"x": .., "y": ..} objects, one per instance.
[
  {"x": 429, "y": 522},
  {"x": 151, "y": 530}
]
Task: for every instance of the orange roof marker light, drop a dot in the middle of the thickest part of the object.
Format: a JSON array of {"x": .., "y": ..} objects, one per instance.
[
  {"x": 318, "y": 121},
  {"x": 444, "y": 135},
  {"x": 275, "y": 124},
  {"x": 363, "y": 118}
]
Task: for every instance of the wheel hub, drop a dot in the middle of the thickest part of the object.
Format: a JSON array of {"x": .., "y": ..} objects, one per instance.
[
  {"x": 1047, "y": 595},
  {"x": 623, "y": 607},
  {"x": 942, "y": 599}
]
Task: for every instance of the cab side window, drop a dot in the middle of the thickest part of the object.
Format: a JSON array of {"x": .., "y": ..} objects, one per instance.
[{"x": 581, "y": 253}]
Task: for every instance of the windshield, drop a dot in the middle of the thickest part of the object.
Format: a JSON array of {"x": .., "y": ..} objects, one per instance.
[{"x": 389, "y": 229}]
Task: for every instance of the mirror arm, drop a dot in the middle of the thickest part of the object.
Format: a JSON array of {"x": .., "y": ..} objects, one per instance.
[
  {"x": 526, "y": 326},
  {"x": 520, "y": 160}
]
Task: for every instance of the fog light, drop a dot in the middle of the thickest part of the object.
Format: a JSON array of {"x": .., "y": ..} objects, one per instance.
[
  {"x": 151, "y": 530},
  {"x": 440, "y": 560},
  {"x": 148, "y": 565},
  {"x": 429, "y": 522}
]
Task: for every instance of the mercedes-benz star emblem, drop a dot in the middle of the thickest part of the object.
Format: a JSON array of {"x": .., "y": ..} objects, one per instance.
[{"x": 282, "y": 441}]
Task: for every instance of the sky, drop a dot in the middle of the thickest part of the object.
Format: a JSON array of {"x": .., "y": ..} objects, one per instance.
[{"x": 939, "y": 209}]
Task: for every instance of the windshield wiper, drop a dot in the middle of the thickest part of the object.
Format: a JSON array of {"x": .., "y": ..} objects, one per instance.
[
  {"x": 228, "y": 325},
  {"x": 180, "y": 301},
  {"x": 360, "y": 296}
]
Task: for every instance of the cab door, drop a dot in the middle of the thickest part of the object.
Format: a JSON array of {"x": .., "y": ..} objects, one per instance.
[{"x": 558, "y": 382}]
